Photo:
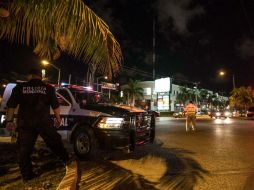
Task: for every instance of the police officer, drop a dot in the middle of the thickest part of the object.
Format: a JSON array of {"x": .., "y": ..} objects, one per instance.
[
  {"x": 190, "y": 111},
  {"x": 34, "y": 99}
]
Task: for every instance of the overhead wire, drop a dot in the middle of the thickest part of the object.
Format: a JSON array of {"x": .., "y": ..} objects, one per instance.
[{"x": 247, "y": 18}]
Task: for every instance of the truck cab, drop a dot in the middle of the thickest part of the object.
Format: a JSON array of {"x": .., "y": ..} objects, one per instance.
[{"x": 89, "y": 123}]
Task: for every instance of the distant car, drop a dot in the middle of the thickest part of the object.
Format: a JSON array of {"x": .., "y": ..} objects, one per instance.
[
  {"x": 200, "y": 113},
  {"x": 250, "y": 112},
  {"x": 220, "y": 114},
  {"x": 178, "y": 114},
  {"x": 153, "y": 112}
]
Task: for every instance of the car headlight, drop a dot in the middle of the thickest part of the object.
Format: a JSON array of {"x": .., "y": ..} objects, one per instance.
[
  {"x": 217, "y": 113},
  {"x": 227, "y": 113},
  {"x": 111, "y": 123}
]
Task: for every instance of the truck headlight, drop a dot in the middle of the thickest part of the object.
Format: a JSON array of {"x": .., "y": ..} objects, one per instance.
[
  {"x": 111, "y": 123},
  {"x": 2, "y": 119}
]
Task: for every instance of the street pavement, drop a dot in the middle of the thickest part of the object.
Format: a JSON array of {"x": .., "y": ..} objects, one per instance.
[{"x": 218, "y": 155}]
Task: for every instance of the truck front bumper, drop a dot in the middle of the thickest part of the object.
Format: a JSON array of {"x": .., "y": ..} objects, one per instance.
[{"x": 113, "y": 138}]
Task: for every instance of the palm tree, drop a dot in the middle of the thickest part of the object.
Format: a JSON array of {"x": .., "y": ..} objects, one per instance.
[
  {"x": 62, "y": 26},
  {"x": 215, "y": 100},
  {"x": 203, "y": 96},
  {"x": 241, "y": 97},
  {"x": 133, "y": 91},
  {"x": 184, "y": 95},
  {"x": 210, "y": 99}
]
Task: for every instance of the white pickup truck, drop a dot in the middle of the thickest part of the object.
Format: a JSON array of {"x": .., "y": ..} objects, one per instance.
[{"x": 89, "y": 124}]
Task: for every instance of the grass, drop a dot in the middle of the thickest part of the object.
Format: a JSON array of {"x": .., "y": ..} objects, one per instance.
[{"x": 49, "y": 169}]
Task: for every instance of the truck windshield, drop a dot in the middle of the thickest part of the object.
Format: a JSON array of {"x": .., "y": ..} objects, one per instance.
[{"x": 84, "y": 97}]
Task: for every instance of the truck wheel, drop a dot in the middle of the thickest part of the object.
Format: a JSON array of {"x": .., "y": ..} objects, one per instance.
[{"x": 84, "y": 143}]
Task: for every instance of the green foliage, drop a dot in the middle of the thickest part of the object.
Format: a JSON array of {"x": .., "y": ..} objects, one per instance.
[
  {"x": 59, "y": 25},
  {"x": 241, "y": 98},
  {"x": 133, "y": 91},
  {"x": 184, "y": 95},
  {"x": 203, "y": 96}
]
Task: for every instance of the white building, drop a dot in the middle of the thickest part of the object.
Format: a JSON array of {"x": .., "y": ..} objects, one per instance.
[{"x": 161, "y": 94}]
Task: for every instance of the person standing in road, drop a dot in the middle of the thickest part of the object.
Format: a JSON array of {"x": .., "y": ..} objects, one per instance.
[
  {"x": 190, "y": 111},
  {"x": 34, "y": 99}
]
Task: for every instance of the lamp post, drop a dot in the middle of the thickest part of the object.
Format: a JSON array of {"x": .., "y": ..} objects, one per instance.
[
  {"x": 222, "y": 73},
  {"x": 97, "y": 81},
  {"x": 233, "y": 78},
  {"x": 196, "y": 91},
  {"x": 45, "y": 62}
]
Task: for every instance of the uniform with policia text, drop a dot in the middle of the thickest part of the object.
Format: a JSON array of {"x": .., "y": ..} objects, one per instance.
[
  {"x": 190, "y": 111},
  {"x": 35, "y": 99}
]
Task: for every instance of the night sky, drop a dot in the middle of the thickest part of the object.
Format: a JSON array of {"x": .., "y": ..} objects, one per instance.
[{"x": 194, "y": 40}]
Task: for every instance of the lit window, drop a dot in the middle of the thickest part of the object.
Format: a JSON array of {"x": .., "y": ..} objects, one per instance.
[{"x": 147, "y": 91}]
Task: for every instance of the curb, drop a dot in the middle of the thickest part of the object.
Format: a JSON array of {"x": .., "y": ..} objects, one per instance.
[{"x": 69, "y": 181}]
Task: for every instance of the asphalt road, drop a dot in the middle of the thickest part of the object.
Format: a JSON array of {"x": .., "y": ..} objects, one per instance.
[{"x": 218, "y": 155}]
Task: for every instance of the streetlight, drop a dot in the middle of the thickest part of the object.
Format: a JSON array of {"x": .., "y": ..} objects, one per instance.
[
  {"x": 222, "y": 73},
  {"x": 97, "y": 80},
  {"x": 45, "y": 62}
]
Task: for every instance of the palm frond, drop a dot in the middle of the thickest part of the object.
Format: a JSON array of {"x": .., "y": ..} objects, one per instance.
[{"x": 63, "y": 25}]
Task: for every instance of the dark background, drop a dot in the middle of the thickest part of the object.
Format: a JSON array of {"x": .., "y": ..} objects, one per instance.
[{"x": 194, "y": 40}]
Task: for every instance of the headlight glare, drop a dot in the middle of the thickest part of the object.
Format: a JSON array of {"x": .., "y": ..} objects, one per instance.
[
  {"x": 227, "y": 113},
  {"x": 111, "y": 123},
  {"x": 217, "y": 113}
]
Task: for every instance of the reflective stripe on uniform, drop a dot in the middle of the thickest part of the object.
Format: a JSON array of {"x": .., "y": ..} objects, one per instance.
[{"x": 190, "y": 109}]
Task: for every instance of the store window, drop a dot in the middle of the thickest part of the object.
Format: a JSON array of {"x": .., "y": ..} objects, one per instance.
[
  {"x": 147, "y": 91},
  {"x": 163, "y": 102}
]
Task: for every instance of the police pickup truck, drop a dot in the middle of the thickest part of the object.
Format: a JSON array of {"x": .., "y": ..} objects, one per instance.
[{"x": 89, "y": 124}]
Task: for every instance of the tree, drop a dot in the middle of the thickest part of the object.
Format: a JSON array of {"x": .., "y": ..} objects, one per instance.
[
  {"x": 184, "y": 95},
  {"x": 133, "y": 91},
  {"x": 59, "y": 25},
  {"x": 241, "y": 98},
  {"x": 203, "y": 96}
]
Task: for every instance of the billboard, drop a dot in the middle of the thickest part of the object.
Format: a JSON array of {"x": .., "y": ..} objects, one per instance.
[
  {"x": 109, "y": 86},
  {"x": 163, "y": 85}
]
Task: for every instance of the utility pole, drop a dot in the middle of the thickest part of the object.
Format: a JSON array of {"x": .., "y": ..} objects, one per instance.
[
  {"x": 69, "y": 78},
  {"x": 154, "y": 58},
  {"x": 196, "y": 91},
  {"x": 233, "y": 81}
]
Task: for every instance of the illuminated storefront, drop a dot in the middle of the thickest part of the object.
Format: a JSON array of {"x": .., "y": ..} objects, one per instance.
[
  {"x": 161, "y": 95},
  {"x": 162, "y": 88}
]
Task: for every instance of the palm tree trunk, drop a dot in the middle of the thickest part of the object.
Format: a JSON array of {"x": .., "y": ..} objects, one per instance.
[
  {"x": 133, "y": 101},
  {"x": 128, "y": 98}
]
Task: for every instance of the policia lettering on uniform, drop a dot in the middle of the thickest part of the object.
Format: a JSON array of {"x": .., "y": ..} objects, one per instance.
[
  {"x": 34, "y": 90},
  {"x": 35, "y": 99}
]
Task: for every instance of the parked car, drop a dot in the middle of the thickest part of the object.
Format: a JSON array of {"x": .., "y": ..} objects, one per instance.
[
  {"x": 89, "y": 123},
  {"x": 220, "y": 114},
  {"x": 250, "y": 112},
  {"x": 178, "y": 114},
  {"x": 153, "y": 112}
]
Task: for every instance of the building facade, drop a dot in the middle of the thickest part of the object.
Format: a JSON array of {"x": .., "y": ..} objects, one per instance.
[{"x": 161, "y": 95}]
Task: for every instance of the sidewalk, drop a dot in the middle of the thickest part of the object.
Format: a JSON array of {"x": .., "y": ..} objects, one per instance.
[{"x": 68, "y": 182}]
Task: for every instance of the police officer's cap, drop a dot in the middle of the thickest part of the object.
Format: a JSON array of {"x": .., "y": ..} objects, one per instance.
[{"x": 35, "y": 71}]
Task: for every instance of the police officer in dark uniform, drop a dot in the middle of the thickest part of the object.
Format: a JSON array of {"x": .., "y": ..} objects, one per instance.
[{"x": 34, "y": 99}]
